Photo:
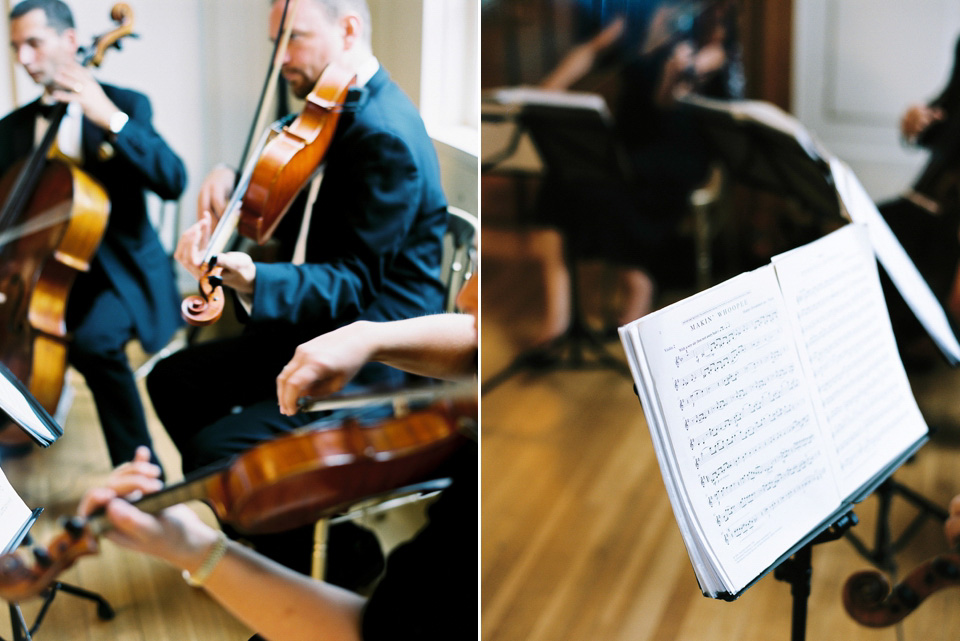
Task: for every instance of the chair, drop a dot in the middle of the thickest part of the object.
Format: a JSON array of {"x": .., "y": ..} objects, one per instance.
[
  {"x": 459, "y": 260},
  {"x": 458, "y": 264}
]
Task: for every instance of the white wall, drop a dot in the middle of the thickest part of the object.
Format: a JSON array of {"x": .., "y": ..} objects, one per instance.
[
  {"x": 431, "y": 48},
  {"x": 858, "y": 64}
]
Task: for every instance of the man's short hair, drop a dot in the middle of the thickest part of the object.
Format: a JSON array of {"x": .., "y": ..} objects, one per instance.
[
  {"x": 336, "y": 8},
  {"x": 58, "y": 13}
]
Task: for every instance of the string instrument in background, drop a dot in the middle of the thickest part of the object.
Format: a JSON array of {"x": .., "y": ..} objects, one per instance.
[
  {"x": 287, "y": 160},
  {"x": 51, "y": 224},
  {"x": 869, "y": 599},
  {"x": 280, "y": 484}
]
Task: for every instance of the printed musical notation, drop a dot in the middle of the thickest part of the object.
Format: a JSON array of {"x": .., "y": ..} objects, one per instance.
[
  {"x": 710, "y": 349},
  {"x": 848, "y": 345},
  {"x": 737, "y": 389}
]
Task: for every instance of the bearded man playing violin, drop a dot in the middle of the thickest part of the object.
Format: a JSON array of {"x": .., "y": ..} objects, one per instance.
[{"x": 366, "y": 246}]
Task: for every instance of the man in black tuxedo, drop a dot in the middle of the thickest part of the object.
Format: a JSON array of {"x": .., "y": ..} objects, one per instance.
[
  {"x": 371, "y": 250},
  {"x": 129, "y": 290}
]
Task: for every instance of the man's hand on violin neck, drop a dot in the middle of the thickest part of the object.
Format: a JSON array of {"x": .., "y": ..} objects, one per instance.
[
  {"x": 192, "y": 246},
  {"x": 239, "y": 271}
]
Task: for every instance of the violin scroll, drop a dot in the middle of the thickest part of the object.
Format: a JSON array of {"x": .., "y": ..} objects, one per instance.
[
  {"x": 19, "y": 582},
  {"x": 206, "y": 307},
  {"x": 869, "y": 599}
]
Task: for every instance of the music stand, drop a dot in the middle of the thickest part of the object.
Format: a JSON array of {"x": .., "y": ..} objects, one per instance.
[
  {"x": 767, "y": 149},
  {"x": 573, "y": 134},
  {"x": 21, "y": 407}
]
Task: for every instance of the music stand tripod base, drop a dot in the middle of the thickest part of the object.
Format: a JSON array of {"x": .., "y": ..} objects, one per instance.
[{"x": 23, "y": 632}]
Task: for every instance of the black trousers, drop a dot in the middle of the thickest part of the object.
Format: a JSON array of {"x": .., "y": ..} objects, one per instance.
[
  {"x": 101, "y": 327},
  {"x": 218, "y": 399}
]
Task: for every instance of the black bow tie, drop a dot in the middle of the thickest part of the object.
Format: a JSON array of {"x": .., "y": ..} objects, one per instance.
[{"x": 47, "y": 111}]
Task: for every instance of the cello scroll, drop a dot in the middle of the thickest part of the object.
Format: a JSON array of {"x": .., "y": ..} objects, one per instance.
[{"x": 122, "y": 14}]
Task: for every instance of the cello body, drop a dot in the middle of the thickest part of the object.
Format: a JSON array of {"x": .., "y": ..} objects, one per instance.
[
  {"x": 69, "y": 211},
  {"x": 52, "y": 221}
]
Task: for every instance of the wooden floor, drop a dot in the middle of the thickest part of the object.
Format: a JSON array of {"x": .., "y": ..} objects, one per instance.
[
  {"x": 151, "y": 600},
  {"x": 578, "y": 538}
]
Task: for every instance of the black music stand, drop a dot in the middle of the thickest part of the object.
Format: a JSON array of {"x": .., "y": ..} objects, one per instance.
[
  {"x": 767, "y": 149},
  {"x": 578, "y": 148},
  {"x": 798, "y": 572}
]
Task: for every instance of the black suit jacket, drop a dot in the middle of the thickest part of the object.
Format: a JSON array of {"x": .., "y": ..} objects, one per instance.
[
  {"x": 375, "y": 237},
  {"x": 130, "y": 253}
]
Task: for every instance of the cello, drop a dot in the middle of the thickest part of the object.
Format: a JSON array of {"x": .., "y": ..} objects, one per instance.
[
  {"x": 52, "y": 221},
  {"x": 280, "y": 484}
]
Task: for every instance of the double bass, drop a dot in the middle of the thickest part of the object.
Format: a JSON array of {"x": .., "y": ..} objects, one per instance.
[{"x": 52, "y": 221}]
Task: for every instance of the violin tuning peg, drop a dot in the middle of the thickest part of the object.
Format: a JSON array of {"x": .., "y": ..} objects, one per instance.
[
  {"x": 43, "y": 557},
  {"x": 215, "y": 281},
  {"x": 946, "y": 568},
  {"x": 74, "y": 527}
]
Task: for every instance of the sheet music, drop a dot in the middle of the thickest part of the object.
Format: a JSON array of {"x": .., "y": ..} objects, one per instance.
[
  {"x": 739, "y": 420},
  {"x": 898, "y": 265},
  {"x": 13, "y": 511},
  {"x": 833, "y": 292}
]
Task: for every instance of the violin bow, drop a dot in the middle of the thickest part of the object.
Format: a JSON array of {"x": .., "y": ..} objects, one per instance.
[{"x": 460, "y": 389}]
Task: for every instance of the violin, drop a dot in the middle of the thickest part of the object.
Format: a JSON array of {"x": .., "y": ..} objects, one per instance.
[
  {"x": 869, "y": 599},
  {"x": 51, "y": 224},
  {"x": 281, "y": 484},
  {"x": 284, "y": 164}
]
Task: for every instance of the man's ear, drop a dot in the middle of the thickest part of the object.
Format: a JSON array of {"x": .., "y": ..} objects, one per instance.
[
  {"x": 71, "y": 37},
  {"x": 352, "y": 30}
]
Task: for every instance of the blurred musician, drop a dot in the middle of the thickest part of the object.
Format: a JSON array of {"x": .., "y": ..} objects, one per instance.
[{"x": 129, "y": 291}]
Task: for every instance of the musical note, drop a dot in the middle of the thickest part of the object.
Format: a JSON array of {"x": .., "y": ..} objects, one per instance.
[{"x": 708, "y": 350}]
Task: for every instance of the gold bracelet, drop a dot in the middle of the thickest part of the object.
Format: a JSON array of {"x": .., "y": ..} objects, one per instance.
[{"x": 216, "y": 553}]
